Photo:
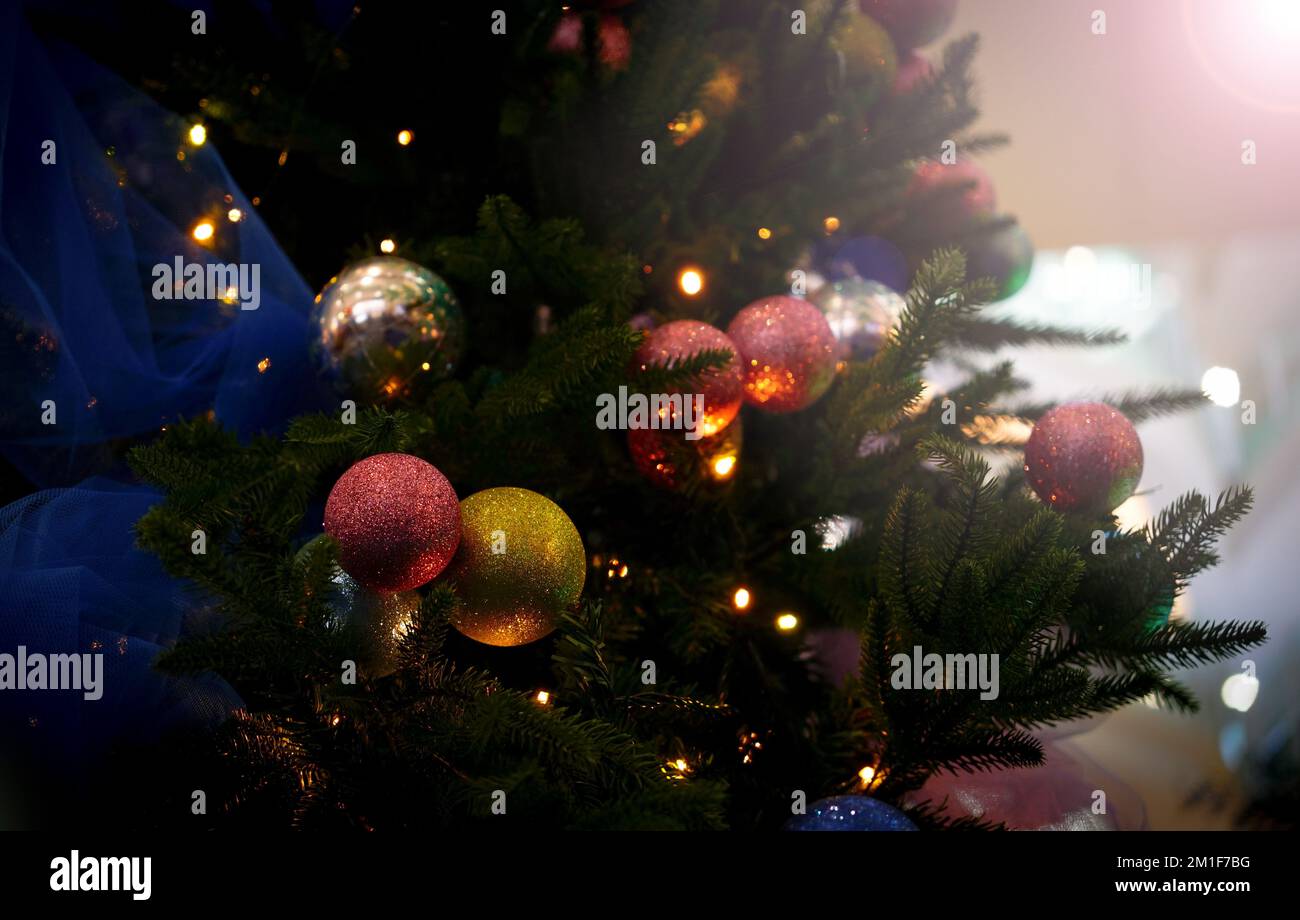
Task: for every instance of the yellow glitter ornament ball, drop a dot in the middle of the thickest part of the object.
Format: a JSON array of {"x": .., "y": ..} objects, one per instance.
[{"x": 519, "y": 566}]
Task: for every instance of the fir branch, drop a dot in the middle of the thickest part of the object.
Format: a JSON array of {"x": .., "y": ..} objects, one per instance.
[
  {"x": 579, "y": 656},
  {"x": 964, "y": 531},
  {"x": 1137, "y": 407},
  {"x": 983, "y": 334},
  {"x": 678, "y": 374},
  {"x": 1179, "y": 645},
  {"x": 904, "y": 565},
  {"x": 981, "y": 751},
  {"x": 1185, "y": 533}
]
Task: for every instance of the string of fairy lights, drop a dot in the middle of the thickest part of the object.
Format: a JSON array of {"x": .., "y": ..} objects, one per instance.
[{"x": 691, "y": 281}]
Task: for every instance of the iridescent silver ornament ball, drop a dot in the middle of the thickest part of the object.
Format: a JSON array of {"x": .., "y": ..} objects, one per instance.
[
  {"x": 373, "y": 624},
  {"x": 382, "y": 322},
  {"x": 861, "y": 313}
]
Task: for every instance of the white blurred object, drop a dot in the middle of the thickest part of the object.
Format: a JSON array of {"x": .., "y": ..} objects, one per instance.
[
  {"x": 1092, "y": 288},
  {"x": 1239, "y": 692},
  {"x": 1222, "y": 386}
]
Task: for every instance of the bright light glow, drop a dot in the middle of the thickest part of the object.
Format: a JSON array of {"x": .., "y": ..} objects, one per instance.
[
  {"x": 831, "y": 224},
  {"x": 835, "y": 531},
  {"x": 786, "y": 622},
  {"x": 1248, "y": 48},
  {"x": 1239, "y": 692},
  {"x": 387, "y": 246},
  {"x": 741, "y": 598},
  {"x": 234, "y": 215},
  {"x": 405, "y": 137},
  {"x": 867, "y": 774},
  {"x": 1222, "y": 386},
  {"x": 198, "y": 134},
  {"x": 1080, "y": 264},
  {"x": 1133, "y": 513},
  {"x": 1281, "y": 17},
  {"x": 263, "y": 365},
  {"x": 724, "y": 466},
  {"x": 691, "y": 281},
  {"x": 764, "y": 233},
  {"x": 543, "y": 697},
  {"x": 203, "y": 231}
]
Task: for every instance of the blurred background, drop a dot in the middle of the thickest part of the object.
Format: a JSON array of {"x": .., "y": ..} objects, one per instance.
[{"x": 1129, "y": 167}]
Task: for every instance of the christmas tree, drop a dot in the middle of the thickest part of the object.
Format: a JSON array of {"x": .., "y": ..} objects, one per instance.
[{"x": 625, "y": 319}]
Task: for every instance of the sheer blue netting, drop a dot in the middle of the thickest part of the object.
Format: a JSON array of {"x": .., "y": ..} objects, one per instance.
[
  {"x": 80, "y": 331},
  {"x": 74, "y": 582},
  {"x": 79, "y": 240}
]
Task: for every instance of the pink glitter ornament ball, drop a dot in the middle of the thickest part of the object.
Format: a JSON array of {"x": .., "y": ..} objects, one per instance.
[
  {"x": 396, "y": 520},
  {"x": 935, "y": 178},
  {"x": 787, "y": 351},
  {"x": 1057, "y": 796},
  {"x": 721, "y": 387},
  {"x": 1083, "y": 456}
]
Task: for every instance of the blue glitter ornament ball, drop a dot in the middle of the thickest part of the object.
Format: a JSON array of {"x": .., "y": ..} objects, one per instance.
[{"x": 851, "y": 813}]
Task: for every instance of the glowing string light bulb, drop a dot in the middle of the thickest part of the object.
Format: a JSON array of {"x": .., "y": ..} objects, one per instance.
[
  {"x": 1221, "y": 386},
  {"x": 198, "y": 135},
  {"x": 1239, "y": 691},
  {"x": 387, "y": 246},
  {"x": 691, "y": 281},
  {"x": 203, "y": 231},
  {"x": 405, "y": 137},
  {"x": 741, "y": 599}
]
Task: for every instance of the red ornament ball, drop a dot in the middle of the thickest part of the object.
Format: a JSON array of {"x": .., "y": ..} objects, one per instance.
[
  {"x": 911, "y": 23},
  {"x": 669, "y": 461},
  {"x": 396, "y": 520},
  {"x": 613, "y": 40},
  {"x": 721, "y": 387},
  {"x": 1084, "y": 457},
  {"x": 787, "y": 351},
  {"x": 913, "y": 70},
  {"x": 933, "y": 178}
]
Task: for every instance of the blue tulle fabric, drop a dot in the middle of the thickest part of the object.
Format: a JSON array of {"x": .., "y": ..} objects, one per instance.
[
  {"x": 73, "y": 582},
  {"x": 78, "y": 243},
  {"x": 79, "y": 328}
]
